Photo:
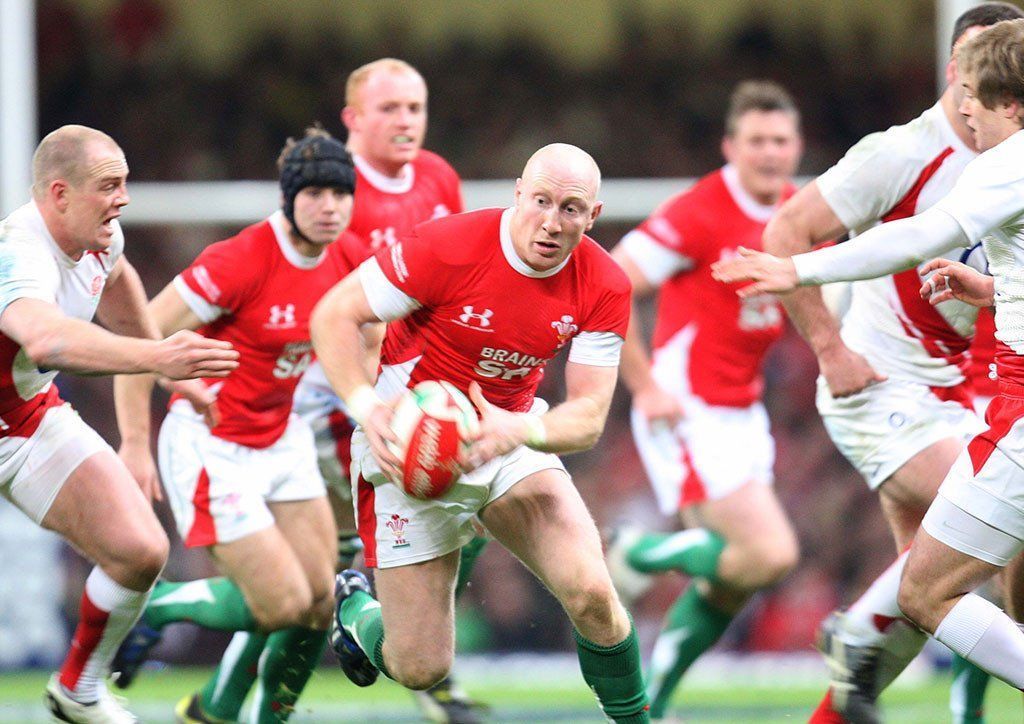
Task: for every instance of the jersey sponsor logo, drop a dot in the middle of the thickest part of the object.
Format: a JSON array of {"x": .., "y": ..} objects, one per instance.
[
  {"x": 472, "y": 319},
  {"x": 398, "y": 262},
  {"x": 396, "y": 524},
  {"x": 758, "y": 312},
  {"x": 294, "y": 360},
  {"x": 379, "y": 238},
  {"x": 506, "y": 364},
  {"x": 202, "y": 276},
  {"x": 440, "y": 211},
  {"x": 282, "y": 316},
  {"x": 565, "y": 329}
]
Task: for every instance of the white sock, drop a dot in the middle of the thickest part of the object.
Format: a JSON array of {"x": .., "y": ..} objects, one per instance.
[
  {"x": 871, "y": 614},
  {"x": 108, "y": 612},
  {"x": 985, "y": 636}
]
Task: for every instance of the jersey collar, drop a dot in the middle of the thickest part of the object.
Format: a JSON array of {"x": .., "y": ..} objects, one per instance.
[
  {"x": 290, "y": 252},
  {"x": 513, "y": 258},
  {"x": 747, "y": 203},
  {"x": 400, "y": 185}
]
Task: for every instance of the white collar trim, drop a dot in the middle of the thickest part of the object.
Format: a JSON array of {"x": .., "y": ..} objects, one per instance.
[
  {"x": 747, "y": 203},
  {"x": 512, "y": 256},
  {"x": 401, "y": 184},
  {"x": 277, "y": 223}
]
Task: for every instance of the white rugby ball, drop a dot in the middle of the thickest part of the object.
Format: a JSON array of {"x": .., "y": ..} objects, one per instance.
[{"x": 434, "y": 424}]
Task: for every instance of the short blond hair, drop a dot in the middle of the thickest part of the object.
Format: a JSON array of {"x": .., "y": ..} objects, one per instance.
[
  {"x": 358, "y": 77},
  {"x": 62, "y": 154},
  {"x": 994, "y": 58}
]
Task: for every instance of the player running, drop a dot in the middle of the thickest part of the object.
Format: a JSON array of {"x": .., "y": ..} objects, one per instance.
[
  {"x": 893, "y": 391},
  {"x": 242, "y": 476},
  {"x": 976, "y": 524},
  {"x": 399, "y": 185},
  {"x": 698, "y": 422},
  {"x": 63, "y": 259},
  {"x": 487, "y": 286}
]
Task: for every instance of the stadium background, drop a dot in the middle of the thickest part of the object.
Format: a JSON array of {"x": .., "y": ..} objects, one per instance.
[{"x": 209, "y": 91}]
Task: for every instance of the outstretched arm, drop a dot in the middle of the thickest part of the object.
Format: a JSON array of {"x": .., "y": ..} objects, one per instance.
[{"x": 803, "y": 221}]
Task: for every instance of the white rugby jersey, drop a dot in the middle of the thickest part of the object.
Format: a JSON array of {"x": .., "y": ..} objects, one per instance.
[
  {"x": 892, "y": 175},
  {"x": 988, "y": 203},
  {"x": 32, "y": 265}
]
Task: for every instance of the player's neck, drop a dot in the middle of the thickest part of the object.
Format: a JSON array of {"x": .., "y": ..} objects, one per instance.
[
  {"x": 54, "y": 225},
  {"x": 956, "y": 120},
  {"x": 306, "y": 248},
  {"x": 389, "y": 169}
]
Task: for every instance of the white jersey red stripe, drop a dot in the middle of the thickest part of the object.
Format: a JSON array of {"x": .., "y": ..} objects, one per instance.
[
  {"x": 893, "y": 175},
  {"x": 35, "y": 267}
]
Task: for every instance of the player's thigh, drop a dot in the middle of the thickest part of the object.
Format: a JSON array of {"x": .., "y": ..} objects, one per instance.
[
  {"x": 102, "y": 512},
  {"x": 271, "y": 576},
  {"x": 752, "y": 520},
  {"x": 418, "y": 609},
  {"x": 915, "y": 483},
  {"x": 544, "y": 522}
]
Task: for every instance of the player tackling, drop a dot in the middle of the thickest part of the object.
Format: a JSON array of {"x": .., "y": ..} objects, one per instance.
[
  {"x": 484, "y": 288},
  {"x": 976, "y": 524}
]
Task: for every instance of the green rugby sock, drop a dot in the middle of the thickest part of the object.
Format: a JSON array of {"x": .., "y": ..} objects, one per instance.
[
  {"x": 695, "y": 552},
  {"x": 225, "y": 692},
  {"x": 967, "y": 694},
  {"x": 467, "y": 561},
  {"x": 286, "y": 664},
  {"x": 615, "y": 676},
  {"x": 363, "y": 622},
  {"x": 214, "y": 603},
  {"x": 692, "y": 626}
]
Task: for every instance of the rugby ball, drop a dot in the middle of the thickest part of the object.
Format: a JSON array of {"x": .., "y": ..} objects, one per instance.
[{"x": 434, "y": 424}]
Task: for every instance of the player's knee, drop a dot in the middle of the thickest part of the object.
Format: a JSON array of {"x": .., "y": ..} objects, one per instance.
[
  {"x": 138, "y": 562},
  {"x": 913, "y": 600},
  {"x": 421, "y": 674},
  {"x": 591, "y": 604},
  {"x": 289, "y": 606},
  {"x": 777, "y": 562}
]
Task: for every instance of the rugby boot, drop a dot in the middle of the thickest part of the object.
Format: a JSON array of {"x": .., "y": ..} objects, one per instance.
[
  {"x": 853, "y": 672},
  {"x": 447, "y": 703},
  {"x": 630, "y": 583},
  {"x": 133, "y": 653},
  {"x": 189, "y": 710},
  {"x": 107, "y": 709},
  {"x": 354, "y": 661}
]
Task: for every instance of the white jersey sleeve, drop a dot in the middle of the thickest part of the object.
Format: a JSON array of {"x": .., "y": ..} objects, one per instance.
[
  {"x": 27, "y": 269},
  {"x": 600, "y": 349},
  {"x": 386, "y": 300},
  {"x": 875, "y": 174},
  {"x": 655, "y": 261},
  {"x": 990, "y": 192}
]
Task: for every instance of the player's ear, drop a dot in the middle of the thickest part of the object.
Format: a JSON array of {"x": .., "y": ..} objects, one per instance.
[
  {"x": 727, "y": 148},
  {"x": 595, "y": 211},
  {"x": 58, "y": 193},
  {"x": 348, "y": 116}
]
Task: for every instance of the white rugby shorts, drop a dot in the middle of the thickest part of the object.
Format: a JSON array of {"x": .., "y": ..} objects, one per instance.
[
  {"x": 711, "y": 453},
  {"x": 219, "y": 490},
  {"x": 33, "y": 469},
  {"x": 980, "y": 507},
  {"x": 398, "y": 530},
  {"x": 326, "y": 415},
  {"x": 886, "y": 424}
]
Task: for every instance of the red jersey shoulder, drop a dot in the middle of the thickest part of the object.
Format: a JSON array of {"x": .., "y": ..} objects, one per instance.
[
  {"x": 219, "y": 272},
  {"x": 349, "y": 250},
  {"x": 684, "y": 220},
  {"x": 462, "y": 239},
  {"x": 430, "y": 165},
  {"x": 597, "y": 267},
  {"x": 434, "y": 164}
]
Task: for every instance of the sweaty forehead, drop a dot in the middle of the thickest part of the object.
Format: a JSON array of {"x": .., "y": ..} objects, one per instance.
[{"x": 105, "y": 161}]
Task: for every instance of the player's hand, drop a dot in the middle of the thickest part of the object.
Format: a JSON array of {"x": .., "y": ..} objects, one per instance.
[
  {"x": 381, "y": 438},
  {"x": 847, "y": 372},
  {"x": 953, "y": 280},
  {"x": 769, "y": 273},
  {"x": 501, "y": 431},
  {"x": 202, "y": 398},
  {"x": 658, "y": 406},
  {"x": 187, "y": 355},
  {"x": 138, "y": 458}
]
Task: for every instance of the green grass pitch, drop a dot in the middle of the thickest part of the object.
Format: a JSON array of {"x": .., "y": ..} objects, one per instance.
[{"x": 331, "y": 698}]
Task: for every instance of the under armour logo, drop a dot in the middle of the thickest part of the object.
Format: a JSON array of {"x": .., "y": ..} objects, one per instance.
[
  {"x": 482, "y": 319},
  {"x": 282, "y": 316},
  {"x": 383, "y": 237}
]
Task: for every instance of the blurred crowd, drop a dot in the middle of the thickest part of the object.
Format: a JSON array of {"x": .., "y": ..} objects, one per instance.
[{"x": 655, "y": 110}]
